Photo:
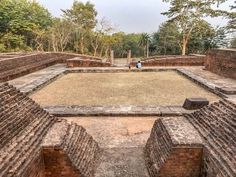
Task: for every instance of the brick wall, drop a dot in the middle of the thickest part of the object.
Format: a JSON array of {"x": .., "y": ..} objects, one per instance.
[
  {"x": 23, "y": 126},
  {"x": 222, "y": 62},
  {"x": 74, "y": 152},
  {"x": 174, "y": 149},
  {"x": 57, "y": 164},
  {"x": 80, "y": 62},
  {"x": 11, "y": 68},
  {"x": 216, "y": 124},
  {"x": 173, "y": 61},
  {"x": 184, "y": 162},
  {"x": 35, "y": 144},
  {"x": 36, "y": 167}
]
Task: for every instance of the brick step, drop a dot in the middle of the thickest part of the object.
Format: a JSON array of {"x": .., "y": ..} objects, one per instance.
[
  {"x": 27, "y": 145},
  {"x": 81, "y": 149},
  {"x": 222, "y": 138},
  {"x": 223, "y": 158},
  {"x": 228, "y": 105},
  {"x": 19, "y": 121},
  {"x": 21, "y": 137}
]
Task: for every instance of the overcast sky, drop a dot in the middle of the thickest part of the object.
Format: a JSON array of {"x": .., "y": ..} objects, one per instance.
[{"x": 127, "y": 15}]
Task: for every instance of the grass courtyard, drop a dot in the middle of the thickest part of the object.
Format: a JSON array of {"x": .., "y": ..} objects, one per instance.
[{"x": 133, "y": 88}]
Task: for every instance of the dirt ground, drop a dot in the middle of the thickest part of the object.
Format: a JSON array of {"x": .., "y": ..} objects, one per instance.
[
  {"x": 122, "y": 140},
  {"x": 142, "y": 88},
  {"x": 113, "y": 132}
]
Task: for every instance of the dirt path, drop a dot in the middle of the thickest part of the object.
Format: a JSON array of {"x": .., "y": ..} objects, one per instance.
[{"x": 122, "y": 140}]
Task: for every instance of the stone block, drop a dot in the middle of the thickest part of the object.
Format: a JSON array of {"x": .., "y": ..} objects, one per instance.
[{"x": 195, "y": 103}]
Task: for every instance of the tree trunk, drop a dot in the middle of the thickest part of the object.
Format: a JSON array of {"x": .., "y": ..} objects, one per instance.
[
  {"x": 144, "y": 51},
  {"x": 95, "y": 51},
  {"x": 82, "y": 45},
  {"x": 147, "y": 49},
  {"x": 184, "y": 47}
]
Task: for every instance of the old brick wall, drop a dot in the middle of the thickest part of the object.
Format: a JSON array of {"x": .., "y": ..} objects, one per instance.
[
  {"x": 80, "y": 62},
  {"x": 70, "y": 151},
  {"x": 173, "y": 61},
  {"x": 174, "y": 149},
  {"x": 36, "y": 167},
  {"x": 222, "y": 62},
  {"x": 23, "y": 125},
  {"x": 216, "y": 124},
  {"x": 184, "y": 162},
  {"x": 35, "y": 144},
  {"x": 19, "y": 66},
  {"x": 11, "y": 68},
  {"x": 57, "y": 164}
]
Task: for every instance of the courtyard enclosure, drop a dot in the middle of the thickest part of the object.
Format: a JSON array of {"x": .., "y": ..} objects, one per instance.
[
  {"x": 74, "y": 104},
  {"x": 115, "y": 121},
  {"x": 130, "y": 88}
]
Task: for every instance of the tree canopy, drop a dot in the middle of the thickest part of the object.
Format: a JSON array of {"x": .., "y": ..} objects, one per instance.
[{"x": 25, "y": 25}]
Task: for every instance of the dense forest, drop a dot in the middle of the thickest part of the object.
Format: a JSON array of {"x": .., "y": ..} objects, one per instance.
[{"x": 25, "y": 25}]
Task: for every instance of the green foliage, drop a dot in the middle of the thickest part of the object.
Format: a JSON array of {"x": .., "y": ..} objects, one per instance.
[
  {"x": 188, "y": 15},
  {"x": 166, "y": 40},
  {"x": 26, "y": 25},
  {"x": 203, "y": 38},
  {"x": 144, "y": 41},
  {"x": 2, "y": 48},
  {"x": 233, "y": 43},
  {"x": 83, "y": 15},
  {"x": 232, "y": 16},
  {"x": 18, "y": 20},
  {"x": 122, "y": 43}
]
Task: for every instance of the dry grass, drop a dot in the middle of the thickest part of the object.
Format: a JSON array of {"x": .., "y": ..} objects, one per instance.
[{"x": 142, "y": 88}]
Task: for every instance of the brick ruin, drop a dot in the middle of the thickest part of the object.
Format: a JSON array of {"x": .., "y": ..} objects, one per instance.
[
  {"x": 80, "y": 62},
  {"x": 194, "y": 60},
  {"x": 35, "y": 144},
  {"x": 17, "y": 66},
  {"x": 198, "y": 144},
  {"x": 222, "y": 62}
]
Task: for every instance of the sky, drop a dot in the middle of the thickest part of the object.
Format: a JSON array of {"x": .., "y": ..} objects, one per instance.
[{"x": 128, "y": 15}]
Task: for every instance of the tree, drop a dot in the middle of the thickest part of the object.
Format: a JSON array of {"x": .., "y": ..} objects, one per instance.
[
  {"x": 232, "y": 16},
  {"x": 83, "y": 15},
  {"x": 203, "y": 37},
  {"x": 167, "y": 39},
  {"x": 19, "y": 19},
  {"x": 187, "y": 14},
  {"x": 144, "y": 42},
  {"x": 61, "y": 34},
  {"x": 233, "y": 43},
  {"x": 103, "y": 28}
]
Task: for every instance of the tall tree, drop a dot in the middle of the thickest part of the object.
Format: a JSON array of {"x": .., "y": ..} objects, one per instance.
[
  {"x": 144, "y": 42},
  {"x": 233, "y": 42},
  {"x": 187, "y": 14},
  {"x": 232, "y": 16},
  {"x": 102, "y": 29},
  {"x": 167, "y": 39},
  {"x": 83, "y": 15},
  {"x": 61, "y": 34},
  {"x": 19, "y": 19}
]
